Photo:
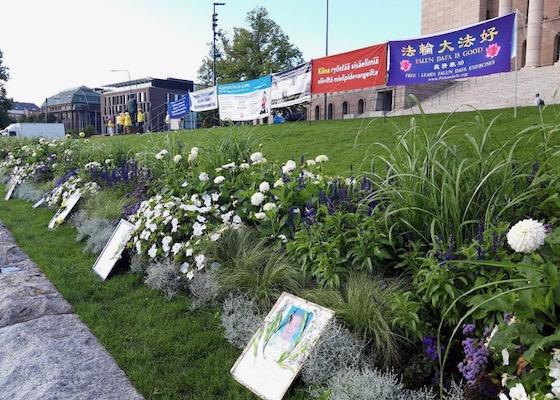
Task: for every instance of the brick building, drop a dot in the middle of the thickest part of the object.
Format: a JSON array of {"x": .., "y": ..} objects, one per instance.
[
  {"x": 76, "y": 108},
  {"x": 151, "y": 95}
]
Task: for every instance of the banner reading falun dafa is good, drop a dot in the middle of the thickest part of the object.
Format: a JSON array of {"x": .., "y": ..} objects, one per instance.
[{"x": 481, "y": 49}]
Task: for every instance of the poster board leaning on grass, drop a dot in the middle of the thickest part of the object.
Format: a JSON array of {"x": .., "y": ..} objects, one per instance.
[
  {"x": 273, "y": 357},
  {"x": 64, "y": 210},
  {"x": 113, "y": 249}
]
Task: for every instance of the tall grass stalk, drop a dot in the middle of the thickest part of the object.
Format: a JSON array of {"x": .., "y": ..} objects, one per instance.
[{"x": 437, "y": 190}]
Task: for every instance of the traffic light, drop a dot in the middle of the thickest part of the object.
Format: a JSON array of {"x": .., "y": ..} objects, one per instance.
[{"x": 214, "y": 21}]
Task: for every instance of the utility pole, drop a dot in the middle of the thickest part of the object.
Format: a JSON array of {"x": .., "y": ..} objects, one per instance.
[{"x": 214, "y": 26}]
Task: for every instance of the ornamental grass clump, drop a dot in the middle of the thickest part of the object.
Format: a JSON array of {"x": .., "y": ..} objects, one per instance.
[
  {"x": 249, "y": 265},
  {"x": 432, "y": 188},
  {"x": 364, "y": 303}
]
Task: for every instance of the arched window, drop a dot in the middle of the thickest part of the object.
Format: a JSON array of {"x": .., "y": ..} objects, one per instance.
[
  {"x": 556, "y": 48},
  {"x": 330, "y": 111},
  {"x": 317, "y": 113},
  {"x": 345, "y": 108},
  {"x": 524, "y": 53},
  {"x": 361, "y": 106}
]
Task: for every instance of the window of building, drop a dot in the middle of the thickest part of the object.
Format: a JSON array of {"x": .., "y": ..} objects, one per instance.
[
  {"x": 330, "y": 111},
  {"x": 345, "y": 108},
  {"x": 361, "y": 106},
  {"x": 317, "y": 112}
]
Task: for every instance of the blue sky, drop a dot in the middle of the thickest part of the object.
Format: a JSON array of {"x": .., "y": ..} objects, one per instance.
[{"x": 50, "y": 46}]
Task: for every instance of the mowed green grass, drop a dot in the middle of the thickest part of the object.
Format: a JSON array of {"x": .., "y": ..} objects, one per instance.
[
  {"x": 350, "y": 144},
  {"x": 167, "y": 350}
]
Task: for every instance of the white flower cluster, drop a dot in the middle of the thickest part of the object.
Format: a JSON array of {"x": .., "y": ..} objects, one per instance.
[
  {"x": 176, "y": 227},
  {"x": 62, "y": 192},
  {"x": 526, "y": 236}
]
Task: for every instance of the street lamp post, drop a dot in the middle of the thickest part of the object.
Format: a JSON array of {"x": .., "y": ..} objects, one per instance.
[
  {"x": 214, "y": 25},
  {"x": 129, "y": 81}
]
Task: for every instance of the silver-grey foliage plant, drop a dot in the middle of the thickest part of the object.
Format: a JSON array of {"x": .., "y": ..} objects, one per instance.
[
  {"x": 204, "y": 289},
  {"x": 96, "y": 232},
  {"x": 240, "y": 320},
  {"x": 164, "y": 275},
  {"x": 27, "y": 192},
  {"x": 336, "y": 350}
]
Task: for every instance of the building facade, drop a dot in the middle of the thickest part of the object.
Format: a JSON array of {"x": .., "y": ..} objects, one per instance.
[
  {"x": 538, "y": 44},
  {"x": 150, "y": 94},
  {"x": 20, "y": 110},
  {"x": 76, "y": 108}
]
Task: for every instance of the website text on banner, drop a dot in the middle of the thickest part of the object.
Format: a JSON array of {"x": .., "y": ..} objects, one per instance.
[
  {"x": 204, "y": 99},
  {"x": 481, "y": 49},
  {"x": 358, "y": 69},
  {"x": 247, "y": 100},
  {"x": 292, "y": 86},
  {"x": 177, "y": 109}
]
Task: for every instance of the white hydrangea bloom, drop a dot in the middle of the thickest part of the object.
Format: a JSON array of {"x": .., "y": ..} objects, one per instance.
[
  {"x": 526, "y": 236},
  {"x": 260, "y": 215},
  {"x": 264, "y": 187},
  {"x": 289, "y": 166},
  {"x": 278, "y": 183},
  {"x": 203, "y": 176},
  {"x": 256, "y": 157},
  {"x": 269, "y": 206},
  {"x": 321, "y": 158},
  {"x": 219, "y": 179},
  {"x": 177, "y": 158},
  {"x": 257, "y": 199}
]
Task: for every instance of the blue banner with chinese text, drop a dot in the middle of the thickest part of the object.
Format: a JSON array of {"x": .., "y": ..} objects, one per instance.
[{"x": 480, "y": 49}]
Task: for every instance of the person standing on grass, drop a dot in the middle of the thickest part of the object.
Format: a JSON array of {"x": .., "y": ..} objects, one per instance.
[
  {"x": 110, "y": 127},
  {"x": 127, "y": 123},
  {"x": 140, "y": 120}
]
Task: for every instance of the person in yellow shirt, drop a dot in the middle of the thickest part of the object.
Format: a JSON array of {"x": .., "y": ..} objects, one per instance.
[
  {"x": 140, "y": 119},
  {"x": 127, "y": 123},
  {"x": 110, "y": 127},
  {"x": 121, "y": 122}
]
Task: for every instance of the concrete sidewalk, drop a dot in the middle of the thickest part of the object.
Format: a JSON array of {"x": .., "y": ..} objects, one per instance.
[{"x": 46, "y": 351}]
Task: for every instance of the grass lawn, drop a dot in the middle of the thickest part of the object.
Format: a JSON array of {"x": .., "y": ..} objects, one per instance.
[{"x": 167, "y": 350}]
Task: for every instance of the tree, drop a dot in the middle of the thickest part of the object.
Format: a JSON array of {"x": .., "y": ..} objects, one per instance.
[
  {"x": 258, "y": 51},
  {"x": 5, "y": 103}
]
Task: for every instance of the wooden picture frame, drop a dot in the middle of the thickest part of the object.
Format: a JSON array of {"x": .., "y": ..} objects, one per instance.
[
  {"x": 64, "y": 210},
  {"x": 10, "y": 188},
  {"x": 275, "y": 354},
  {"x": 113, "y": 249}
]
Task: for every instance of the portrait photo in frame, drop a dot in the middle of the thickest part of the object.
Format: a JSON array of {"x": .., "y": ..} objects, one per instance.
[
  {"x": 275, "y": 354},
  {"x": 10, "y": 188},
  {"x": 64, "y": 210},
  {"x": 113, "y": 249}
]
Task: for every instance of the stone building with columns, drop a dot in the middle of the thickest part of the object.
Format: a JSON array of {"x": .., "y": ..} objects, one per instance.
[{"x": 538, "y": 44}]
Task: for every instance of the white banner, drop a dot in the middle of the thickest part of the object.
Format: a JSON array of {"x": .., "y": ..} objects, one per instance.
[
  {"x": 204, "y": 100},
  {"x": 292, "y": 86},
  {"x": 247, "y": 100}
]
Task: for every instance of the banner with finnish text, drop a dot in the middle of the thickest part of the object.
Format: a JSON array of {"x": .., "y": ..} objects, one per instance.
[
  {"x": 358, "y": 69},
  {"x": 247, "y": 100},
  {"x": 292, "y": 86},
  {"x": 481, "y": 49},
  {"x": 204, "y": 99}
]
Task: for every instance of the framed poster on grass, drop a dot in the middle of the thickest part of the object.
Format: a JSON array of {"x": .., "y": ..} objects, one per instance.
[
  {"x": 64, "y": 210},
  {"x": 10, "y": 188},
  {"x": 42, "y": 199},
  {"x": 113, "y": 249},
  {"x": 276, "y": 352}
]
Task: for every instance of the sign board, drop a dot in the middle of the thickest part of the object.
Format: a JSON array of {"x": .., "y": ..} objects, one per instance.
[
  {"x": 64, "y": 210},
  {"x": 10, "y": 188},
  {"x": 276, "y": 352},
  {"x": 113, "y": 249}
]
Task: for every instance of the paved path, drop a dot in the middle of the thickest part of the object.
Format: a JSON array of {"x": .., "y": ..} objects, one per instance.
[{"x": 46, "y": 351}]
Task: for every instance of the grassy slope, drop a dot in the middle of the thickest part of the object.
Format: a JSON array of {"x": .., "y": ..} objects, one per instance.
[{"x": 167, "y": 350}]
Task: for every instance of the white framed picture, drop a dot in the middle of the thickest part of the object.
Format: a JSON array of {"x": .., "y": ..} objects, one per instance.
[
  {"x": 64, "y": 210},
  {"x": 42, "y": 199},
  {"x": 10, "y": 188},
  {"x": 275, "y": 354},
  {"x": 113, "y": 249}
]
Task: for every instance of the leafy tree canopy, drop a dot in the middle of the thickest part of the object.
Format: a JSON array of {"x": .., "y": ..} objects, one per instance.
[
  {"x": 5, "y": 103},
  {"x": 261, "y": 49}
]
